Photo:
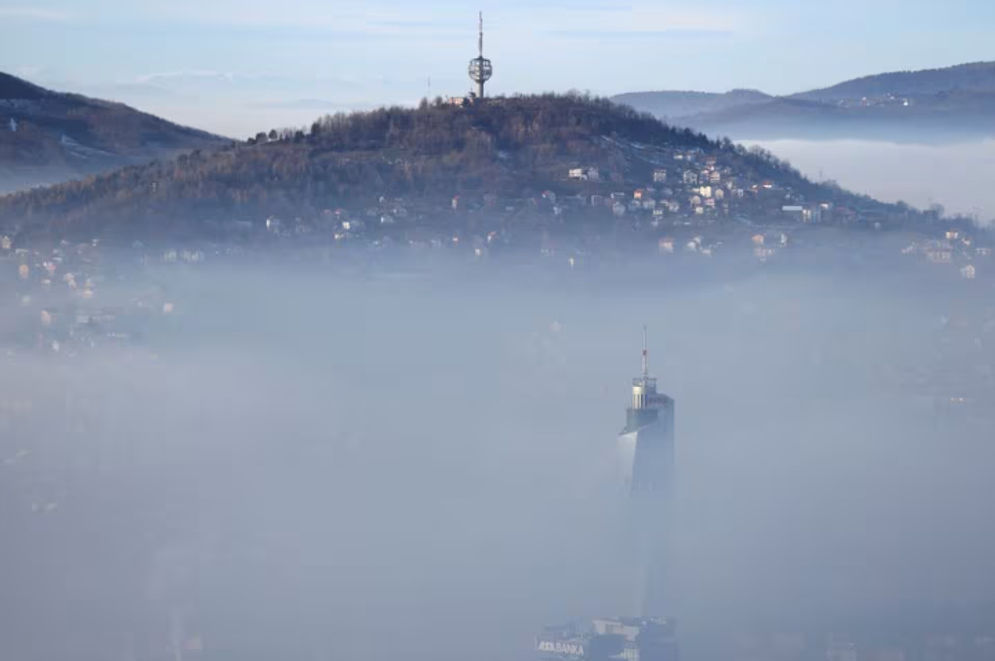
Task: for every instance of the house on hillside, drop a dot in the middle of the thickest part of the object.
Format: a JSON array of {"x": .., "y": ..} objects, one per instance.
[
  {"x": 939, "y": 255},
  {"x": 796, "y": 213},
  {"x": 584, "y": 174}
]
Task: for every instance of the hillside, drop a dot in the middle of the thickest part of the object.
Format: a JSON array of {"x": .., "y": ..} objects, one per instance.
[
  {"x": 945, "y": 116},
  {"x": 972, "y": 77},
  {"x": 916, "y": 106},
  {"x": 47, "y": 137},
  {"x": 503, "y": 153}
]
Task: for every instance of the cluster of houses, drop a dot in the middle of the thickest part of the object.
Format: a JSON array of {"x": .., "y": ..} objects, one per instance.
[
  {"x": 66, "y": 299},
  {"x": 679, "y": 187},
  {"x": 955, "y": 247},
  {"x": 695, "y": 186}
]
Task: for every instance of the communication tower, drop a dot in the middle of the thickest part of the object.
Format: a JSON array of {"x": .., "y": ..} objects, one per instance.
[{"x": 480, "y": 68}]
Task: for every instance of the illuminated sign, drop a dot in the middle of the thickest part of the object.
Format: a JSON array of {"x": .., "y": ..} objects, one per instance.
[{"x": 563, "y": 647}]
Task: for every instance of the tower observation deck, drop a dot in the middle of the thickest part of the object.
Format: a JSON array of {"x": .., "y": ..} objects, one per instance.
[{"x": 480, "y": 68}]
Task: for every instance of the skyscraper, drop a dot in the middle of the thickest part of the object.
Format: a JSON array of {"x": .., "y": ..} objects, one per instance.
[
  {"x": 646, "y": 455},
  {"x": 648, "y": 631}
]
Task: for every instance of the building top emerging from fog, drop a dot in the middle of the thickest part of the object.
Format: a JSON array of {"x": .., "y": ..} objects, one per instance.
[{"x": 646, "y": 444}]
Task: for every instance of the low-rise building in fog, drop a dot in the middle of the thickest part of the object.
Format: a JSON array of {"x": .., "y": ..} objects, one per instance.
[
  {"x": 584, "y": 174},
  {"x": 610, "y": 639}
]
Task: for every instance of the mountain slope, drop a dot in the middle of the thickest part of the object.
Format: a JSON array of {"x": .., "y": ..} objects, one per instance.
[
  {"x": 47, "y": 137},
  {"x": 508, "y": 150},
  {"x": 971, "y": 77},
  {"x": 937, "y": 118},
  {"x": 917, "y": 106}
]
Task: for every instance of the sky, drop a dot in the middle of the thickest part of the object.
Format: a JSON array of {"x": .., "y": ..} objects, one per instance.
[{"x": 239, "y": 66}]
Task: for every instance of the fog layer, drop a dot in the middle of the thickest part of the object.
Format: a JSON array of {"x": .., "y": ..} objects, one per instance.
[
  {"x": 955, "y": 175},
  {"x": 307, "y": 465}
]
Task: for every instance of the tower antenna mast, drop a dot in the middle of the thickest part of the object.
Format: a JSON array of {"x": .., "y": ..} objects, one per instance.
[
  {"x": 646, "y": 358},
  {"x": 480, "y": 69}
]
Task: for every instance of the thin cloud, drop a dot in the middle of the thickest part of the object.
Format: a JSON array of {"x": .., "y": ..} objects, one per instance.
[
  {"x": 299, "y": 104},
  {"x": 34, "y": 14},
  {"x": 188, "y": 75},
  {"x": 643, "y": 34}
]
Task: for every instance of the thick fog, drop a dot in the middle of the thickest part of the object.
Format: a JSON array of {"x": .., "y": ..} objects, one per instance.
[
  {"x": 299, "y": 463},
  {"x": 955, "y": 175}
]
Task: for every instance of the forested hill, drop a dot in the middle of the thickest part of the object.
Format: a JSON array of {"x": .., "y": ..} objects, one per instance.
[
  {"x": 506, "y": 148},
  {"x": 48, "y": 136}
]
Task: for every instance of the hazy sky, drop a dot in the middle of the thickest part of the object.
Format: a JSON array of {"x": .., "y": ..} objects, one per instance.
[{"x": 237, "y": 66}]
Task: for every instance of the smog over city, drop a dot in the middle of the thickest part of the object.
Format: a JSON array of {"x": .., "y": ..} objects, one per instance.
[{"x": 506, "y": 373}]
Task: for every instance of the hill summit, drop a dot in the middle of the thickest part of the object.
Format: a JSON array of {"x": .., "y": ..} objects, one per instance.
[{"x": 498, "y": 157}]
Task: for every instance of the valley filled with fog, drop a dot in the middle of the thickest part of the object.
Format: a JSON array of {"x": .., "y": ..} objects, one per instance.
[
  {"x": 303, "y": 463},
  {"x": 955, "y": 175}
]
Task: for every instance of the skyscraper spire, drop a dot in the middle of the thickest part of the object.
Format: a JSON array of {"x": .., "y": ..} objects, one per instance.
[{"x": 646, "y": 356}]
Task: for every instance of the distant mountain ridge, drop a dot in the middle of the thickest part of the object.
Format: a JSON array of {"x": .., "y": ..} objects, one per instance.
[
  {"x": 970, "y": 77},
  {"x": 669, "y": 105},
  {"x": 920, "y": 106},
  {"x": 48, "y": 137}
]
